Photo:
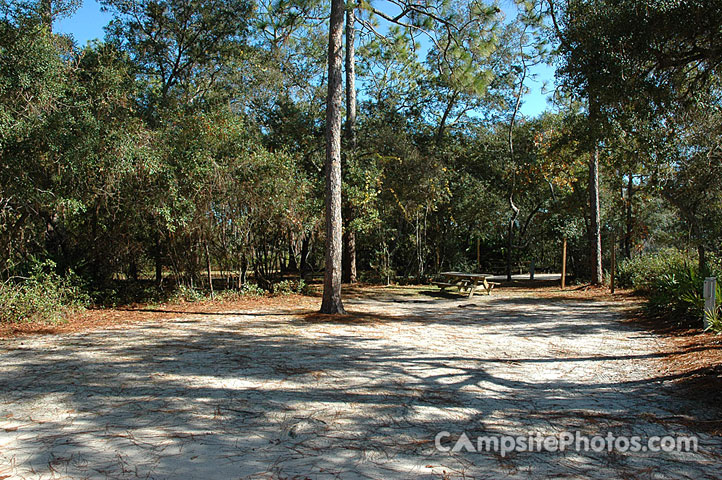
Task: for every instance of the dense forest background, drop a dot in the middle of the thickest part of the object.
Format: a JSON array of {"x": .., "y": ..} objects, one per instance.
[{"x": 189, "y": 143}]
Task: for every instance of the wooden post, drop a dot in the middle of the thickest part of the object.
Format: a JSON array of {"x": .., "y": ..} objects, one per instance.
[
  {"x": 614, "y": 263},
  {"x": 209, "y": 271},
  {"x": 710, "y": 302},
  {"x": 531, "y": 270},
  {"x": 564, "y": 262}
]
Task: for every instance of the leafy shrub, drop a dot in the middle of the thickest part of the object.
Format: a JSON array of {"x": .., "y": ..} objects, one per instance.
[
  {"x": 715, "y": 319},
  {"x": 289, "y": 287},
  {"x": 184, "y": 293},
  {"x": 251, "y": 290},
  {"x": 41, "y": 296},
  {"x": 247, "y": 290},
  {"x": 641, "y": 271},
  {"x": 677, "y": 292},
  {"x": 673, "y": 284}
]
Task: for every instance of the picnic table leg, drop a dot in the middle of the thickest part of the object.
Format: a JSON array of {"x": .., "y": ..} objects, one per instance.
[
  {"x": 472, "y": 288},
  {"x": 488, "y": 287}
]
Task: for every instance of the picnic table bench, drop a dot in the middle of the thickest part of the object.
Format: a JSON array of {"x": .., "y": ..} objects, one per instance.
[{"x": 468, "y": 283}]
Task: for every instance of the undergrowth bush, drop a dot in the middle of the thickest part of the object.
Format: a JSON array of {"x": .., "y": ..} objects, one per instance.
[
  {"x": 42, "y": 296},
  {"x": 641, "y": 271},
  {"x": 247, "y": 290},
  {"x": 673, "y": 285},
  {"x": 715, "y": 318},
  {"x": 252, "y": 290},
  {"x": 184, "y": 293},
  {"x": 289, "y": 287}
]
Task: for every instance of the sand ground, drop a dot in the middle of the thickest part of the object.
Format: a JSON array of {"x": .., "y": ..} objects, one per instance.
[{"x": 279, "y": 393}]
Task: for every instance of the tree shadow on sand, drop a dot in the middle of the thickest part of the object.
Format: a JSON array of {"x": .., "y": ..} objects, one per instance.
[{"x": 324, "y": 397}]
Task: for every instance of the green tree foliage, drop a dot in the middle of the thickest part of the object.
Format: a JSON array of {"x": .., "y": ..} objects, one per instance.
[
  {"x": 639, "y": 50},
  {"x": 180, "y": 48},
  {"x": 655, "y": 80},
  {"x": 97, "y": 180},
  {"x": 192, "y": 139},
  {"x": 69, "y": 130}
]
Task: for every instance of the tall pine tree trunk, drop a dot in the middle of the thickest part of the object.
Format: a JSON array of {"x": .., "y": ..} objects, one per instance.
[
  {"x": 349, "y": 248},
  {"x": 595, "y": 227},
  {"x": 351, "y": 75},
  {"x": 349, "y": 257},
  {"x": 512, "y": 161},
  {"x": 595, "y": 220},
  {"x": 628, "y": 234},
  {"x": 331, "y": 303}
]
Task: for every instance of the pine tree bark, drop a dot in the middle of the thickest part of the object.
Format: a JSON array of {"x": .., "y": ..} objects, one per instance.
[
  {"x": 332, "y": 303},
  {"x": 349, "y": 251},
  {"x": 628, "y": 235},
  {"x": 349, "y": 261},
  {"x": 351, "y": 75},
  {"x": 595, "y": 228},
  {"x": 595, "y": 218}
]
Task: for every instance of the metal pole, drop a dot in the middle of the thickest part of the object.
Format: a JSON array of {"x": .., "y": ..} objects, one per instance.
[{"x": 710, "y": 287}]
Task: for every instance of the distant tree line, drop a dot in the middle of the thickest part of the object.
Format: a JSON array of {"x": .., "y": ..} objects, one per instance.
[{"x": 191, "y": 139}]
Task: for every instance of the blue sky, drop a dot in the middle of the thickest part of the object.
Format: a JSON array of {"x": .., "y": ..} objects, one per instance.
[
  {"x": 88, "y": 21},
  {"x": 86, "y": 24}
]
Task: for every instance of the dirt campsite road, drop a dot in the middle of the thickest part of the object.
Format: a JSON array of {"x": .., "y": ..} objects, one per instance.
[{"x": 283, "y": 393}]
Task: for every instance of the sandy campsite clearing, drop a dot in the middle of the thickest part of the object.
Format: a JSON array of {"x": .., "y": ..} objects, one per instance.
[{"x": 279, "y": 392}]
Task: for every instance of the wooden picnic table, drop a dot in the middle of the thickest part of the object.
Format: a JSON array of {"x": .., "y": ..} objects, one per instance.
[{"x": 468, "y": 283}]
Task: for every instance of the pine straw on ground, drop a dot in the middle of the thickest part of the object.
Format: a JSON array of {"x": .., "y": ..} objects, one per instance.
[
  {"x": 693, "y": 360},
  {"x": 119, "y": 317}
]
